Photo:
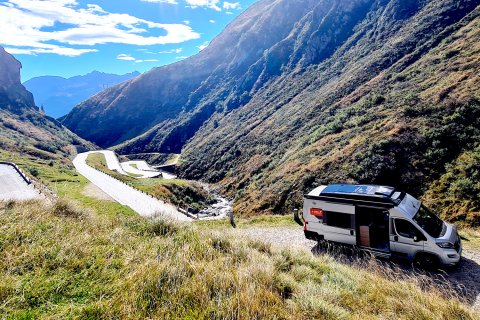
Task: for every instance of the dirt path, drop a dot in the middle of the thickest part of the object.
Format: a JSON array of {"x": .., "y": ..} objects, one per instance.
[
  {"x": 464, "y": 279},
  {"x": 95, "y": 192}
]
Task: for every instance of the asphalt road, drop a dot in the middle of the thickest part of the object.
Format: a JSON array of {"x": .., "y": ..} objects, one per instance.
[
  {"x": 141, "y": 203},
  {"x": 13, "y": 187},
  {"x": 140, "y": 168}
]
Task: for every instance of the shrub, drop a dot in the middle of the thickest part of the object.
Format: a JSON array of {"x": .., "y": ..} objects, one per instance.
[{"x": 66, "y": 209}]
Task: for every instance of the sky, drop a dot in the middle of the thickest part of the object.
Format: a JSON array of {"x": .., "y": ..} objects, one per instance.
[{"x": 74, "y": 37}]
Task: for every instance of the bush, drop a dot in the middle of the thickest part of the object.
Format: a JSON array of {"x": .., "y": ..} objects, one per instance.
[
  {"x": 65, "y": 209},
  {"x": 33, "y": 171}
]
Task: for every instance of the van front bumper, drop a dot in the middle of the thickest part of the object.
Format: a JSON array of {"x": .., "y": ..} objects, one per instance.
[{"x": 452, "y": 257}]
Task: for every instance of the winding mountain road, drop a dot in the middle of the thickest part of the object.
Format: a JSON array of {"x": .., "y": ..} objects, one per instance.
[
  {"x": 140, "y": 168},
  {"x": 143, "y": 204}
]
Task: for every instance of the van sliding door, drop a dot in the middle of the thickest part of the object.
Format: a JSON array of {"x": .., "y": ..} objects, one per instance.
[{"x": 373, "y": 228}]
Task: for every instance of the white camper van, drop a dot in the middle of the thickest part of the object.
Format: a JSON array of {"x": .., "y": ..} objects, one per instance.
[{"x": 381, "y": 220}]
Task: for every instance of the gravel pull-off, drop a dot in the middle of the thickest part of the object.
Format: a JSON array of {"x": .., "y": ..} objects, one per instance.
[
  {"x": 95, "y": 192},
  {"x": 464, "y": 278}
]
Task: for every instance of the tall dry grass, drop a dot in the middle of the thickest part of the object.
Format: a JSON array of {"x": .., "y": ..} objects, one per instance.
[{"x": 60, "y": 262}]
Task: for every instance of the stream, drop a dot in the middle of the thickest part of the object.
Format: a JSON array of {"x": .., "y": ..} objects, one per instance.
[{"x": 219, "y": 210}]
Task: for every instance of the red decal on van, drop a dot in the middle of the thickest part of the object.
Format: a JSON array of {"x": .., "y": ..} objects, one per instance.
[{"x": 316, "y": 212}]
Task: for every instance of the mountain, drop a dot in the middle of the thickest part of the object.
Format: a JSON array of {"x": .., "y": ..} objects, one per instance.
[
  {"x": 190, "y": 90},
  {"x": 13, "y": 96},
  {"x": 59, "y": 95},
  {"x": 23, "y": 128},
  {"x": 371, "y": 91}
]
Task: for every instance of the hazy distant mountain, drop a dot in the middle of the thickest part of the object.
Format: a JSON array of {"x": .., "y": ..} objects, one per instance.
[
  {"x": 23, "y": 128},
  {"x": 295, "y": 93},
  {"x": 59, "y": 95}
]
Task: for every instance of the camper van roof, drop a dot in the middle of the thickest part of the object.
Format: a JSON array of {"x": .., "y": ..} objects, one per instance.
[
  {"x": 354, "y": 192},
  {"x": 370, "y": 190}
]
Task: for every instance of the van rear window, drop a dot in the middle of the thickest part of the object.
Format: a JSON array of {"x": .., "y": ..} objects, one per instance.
[{"x": 339, "y": 219}]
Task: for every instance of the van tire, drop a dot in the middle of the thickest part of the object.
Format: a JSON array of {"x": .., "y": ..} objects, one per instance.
[{"x": 427, "y": 261}]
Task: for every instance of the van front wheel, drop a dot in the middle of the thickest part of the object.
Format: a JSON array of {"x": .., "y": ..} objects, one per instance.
[{"x": 427, "y": 261}]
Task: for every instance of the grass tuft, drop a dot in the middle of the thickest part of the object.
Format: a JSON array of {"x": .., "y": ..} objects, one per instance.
[{"x": 67, "y": 209}]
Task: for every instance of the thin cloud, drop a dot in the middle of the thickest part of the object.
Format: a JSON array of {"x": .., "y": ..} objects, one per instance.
[
  {"x": 232, "y": 6},
  {"x": 146, "y": 60},
  {"x": 178, "y": 50},
  {"x": 211, "y": 4},
  {"x": 23, "y": 26},
  {"x": 162, "y": 1},
  {"x": 211, "y": 21},
  {"x": 69, "y": 52},
  {"x": 125, "y": 57}
]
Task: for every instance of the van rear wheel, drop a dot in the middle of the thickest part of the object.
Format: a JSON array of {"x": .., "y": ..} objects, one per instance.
[{"x": 427, "y": 261}]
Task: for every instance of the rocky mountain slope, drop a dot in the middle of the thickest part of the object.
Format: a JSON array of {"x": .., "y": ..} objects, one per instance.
[
  {"x": 377, "y": 91},
  {"x": 13, "y": 96},
  {"x": 59, "y": 95},
  {"x": 23, "y": 128},
  {"x": 395, "y": 104}
]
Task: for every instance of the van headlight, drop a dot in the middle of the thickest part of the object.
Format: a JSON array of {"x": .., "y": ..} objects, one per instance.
[{"x": 445, "y": 245}]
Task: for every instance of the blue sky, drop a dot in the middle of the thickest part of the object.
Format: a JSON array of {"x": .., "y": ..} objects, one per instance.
[{"x": 74, "y": 37}]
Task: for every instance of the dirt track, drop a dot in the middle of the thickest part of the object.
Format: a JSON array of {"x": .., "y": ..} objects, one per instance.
[{"x": 464, "y": 279}]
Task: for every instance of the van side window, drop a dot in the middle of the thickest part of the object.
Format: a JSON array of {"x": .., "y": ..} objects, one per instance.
[
  {"x": 339, "y": 219},
  {"x": 406, "y": 229}
]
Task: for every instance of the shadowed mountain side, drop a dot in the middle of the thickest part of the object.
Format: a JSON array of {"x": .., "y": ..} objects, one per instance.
[{"x": 187, "y": 87}]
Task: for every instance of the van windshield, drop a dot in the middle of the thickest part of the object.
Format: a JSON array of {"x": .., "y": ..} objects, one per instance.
[{"x": 428, "y": 221}]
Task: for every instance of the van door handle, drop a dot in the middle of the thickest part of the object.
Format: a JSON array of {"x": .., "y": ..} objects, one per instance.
[{"x": 395, "y": 238}]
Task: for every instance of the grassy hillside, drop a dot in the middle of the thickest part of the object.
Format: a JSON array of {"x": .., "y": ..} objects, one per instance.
[
  {"x": 400, "y": 109},
  {"x": 32, "y": 133},
  {"x": 63, "y": 261}
]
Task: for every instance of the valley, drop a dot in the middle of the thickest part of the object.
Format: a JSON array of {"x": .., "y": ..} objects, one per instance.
[{"x": 382, "y": 92}]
